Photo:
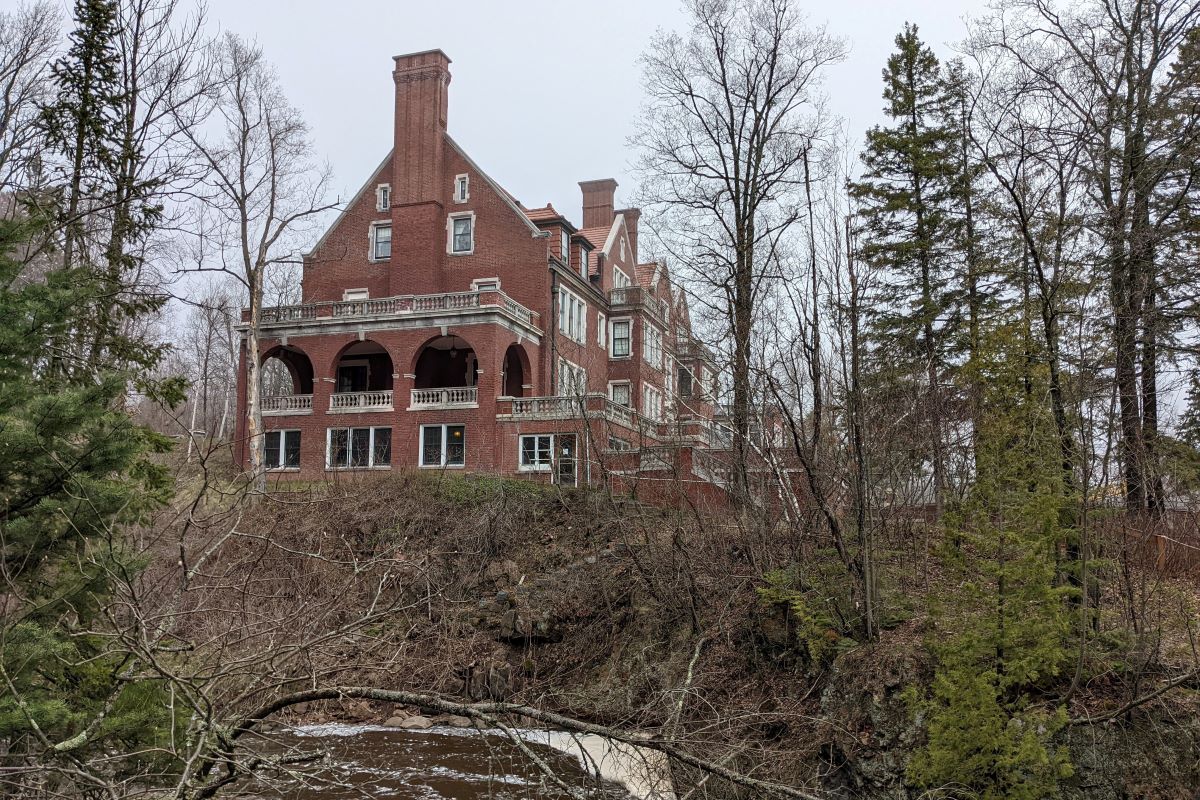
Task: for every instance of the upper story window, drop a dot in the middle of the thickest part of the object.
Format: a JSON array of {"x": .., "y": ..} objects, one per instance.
[
  {"x": 381, "y": 242},
  {"x": 601, "y": 330},
  {"x": 652, "y": 347},
  {"x": 383, "y": 197},
  {"x": 621, "y": 337},
  {"x": 565, "y": 244},
  {"x": 622, "y": 248},
  {"x": 685, "y": 381},
  {"x": 572, "y": 379},
  {"x": 619, "y": 392},
  {"x": 461, "y": 230},
  {"x": 572, "y": 316},
  {"x": 356, "y": 294},
  {"x": 620, "y": 279},
  {"x": 462, "y": 188},
  {"x": 584, "y": 267},
  {"x": 665, "y": 308},
  {"x": 651, "y": 402}
]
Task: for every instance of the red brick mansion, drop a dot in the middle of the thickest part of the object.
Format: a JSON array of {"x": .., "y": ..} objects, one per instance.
[{"x": 446, "y": 326}]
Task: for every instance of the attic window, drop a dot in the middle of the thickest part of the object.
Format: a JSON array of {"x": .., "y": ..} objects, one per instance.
[
  {"x": 462, "y": 186},
  {"x": 583, "y": 262},
  {"x": 565, "y": 244},
  {"x": 622, "y": 248},
  {"x": 383, "y": 197}
]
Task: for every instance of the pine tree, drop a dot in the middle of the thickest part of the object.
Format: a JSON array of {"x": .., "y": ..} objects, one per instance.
[
  {"x": 910, "y": 230},
  {"x": 1003, "y": 631},
  {"x": 74, "y": 468}
]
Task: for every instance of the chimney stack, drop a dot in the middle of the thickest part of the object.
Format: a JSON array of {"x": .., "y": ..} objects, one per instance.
[
  {"x": 422, "y": 80},
  {"x": 598, "y": 202},
  {"x": 632, "y": 215}
]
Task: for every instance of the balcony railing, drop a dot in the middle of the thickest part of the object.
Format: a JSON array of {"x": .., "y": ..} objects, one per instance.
[
  {"x": 636, "y": 296},
  {"x": 575, "y": 407},
  {"x": 280, "y": 405},
  {"x": 452, "y": 397},
  {"x": 401, "y": 305},
  {"x": 361, "y": 401}
]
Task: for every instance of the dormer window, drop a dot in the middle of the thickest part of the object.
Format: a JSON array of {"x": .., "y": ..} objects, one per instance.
[
  {"x": 462, "y": 188},
  {"x": 565, "y": 244},
  {"x": 383, "y": 197},
  {"x": 584, "y": 267}
]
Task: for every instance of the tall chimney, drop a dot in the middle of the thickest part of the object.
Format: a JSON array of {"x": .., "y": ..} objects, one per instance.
[
  {"x": 422, "y": 80},
  {"x": 632, "y": 215},
  {"x": 598, "y": 202}
]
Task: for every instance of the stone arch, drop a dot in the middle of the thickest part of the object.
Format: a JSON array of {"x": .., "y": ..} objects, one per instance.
[
  {"x": 284, "y": 362},
  {"x": 445, "y": 362},
  {"x": 362, "y": 366},
  {"x": 516, "y": 371}
]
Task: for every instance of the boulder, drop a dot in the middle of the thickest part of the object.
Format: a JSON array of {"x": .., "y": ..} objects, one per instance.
[
  {"x": 394, "y": 722},
  {"x": 417, "y": 723},
  {"x": 458, "y": 722}
]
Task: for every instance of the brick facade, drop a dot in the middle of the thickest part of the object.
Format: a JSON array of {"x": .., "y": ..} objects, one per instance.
[{"x": 443, "y": 306}]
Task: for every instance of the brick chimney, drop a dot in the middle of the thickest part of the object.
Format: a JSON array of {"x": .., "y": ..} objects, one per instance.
[
  {"x": 422, "y": 80},
  {"x": 598, "y": 202},
  {"x": 632, "y": 215}
]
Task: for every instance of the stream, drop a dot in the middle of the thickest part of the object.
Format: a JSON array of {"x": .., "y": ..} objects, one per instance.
[{"x": 361, "y": 761}]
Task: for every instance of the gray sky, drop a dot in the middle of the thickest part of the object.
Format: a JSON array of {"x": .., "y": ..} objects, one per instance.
[{"x": 544, "y": 94}]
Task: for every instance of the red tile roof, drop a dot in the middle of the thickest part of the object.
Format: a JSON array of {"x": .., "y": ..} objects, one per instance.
[
  {"x": 644, "y": 273},
  {"x": 546, "y": 213}
]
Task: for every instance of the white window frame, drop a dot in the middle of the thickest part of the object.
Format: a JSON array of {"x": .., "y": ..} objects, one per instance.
[
  {"x": 571, "y": 373},
  {"x": 356, "y": 294},
  {"x": 572, "y": 315},
  {"x": 462, "y": 188},
  {"x": 383, "y": 197},
  {"x": 612, "y": 393},
  {"x": 375, "y": 226},
  {"x": 621, "y": 282},
  {"x": 652, "y": 346},
  {"x": 329, "y": 465},
  {"x": 537, "y": 466},
  {"x": 612, "y": 339},
  {"x": 564, "y": 244},
  {"x": 445, "y": 426},
  {"x": 601, "y": 329},
  {"x": 485, "y": 285},
  {"x": 584, "y": 263},
  {"x": 652, "y": 402},
  {"x": 450, "y": 220},
  {"x": 280, "y": 461}
]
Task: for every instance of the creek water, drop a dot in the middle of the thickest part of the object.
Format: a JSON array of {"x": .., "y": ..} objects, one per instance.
[{"x": 361, "y": 761}]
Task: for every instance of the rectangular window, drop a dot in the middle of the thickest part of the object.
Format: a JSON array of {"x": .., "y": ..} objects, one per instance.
[
  {"x": 652, "y": 347},
  {"x": 358, "y": 448},
  {"x": 685, "y": 381},
  {"x": 537, "y": 452},
  {"x": 461, "y": 185},
  {"x": 572, "y": 316},
  {"x": 565, "y": 246},
  {"x": 462, "y": 234},
  {"x": 282, "y": 450},
  {"x": 381, "y": 247},
  {"x": 651, "y": 402},
  {"x": 584, "y": 266},
  {"x": 383, "y": 197},
  {"x": 620, "y": 393},
  {"x": 572, "y": 379},
  {"x": 620, "y": 279},
  {"x": 601, "y": 330},
  {"x": 620, "y": 337},
  {"x": 443, "y": 445}
]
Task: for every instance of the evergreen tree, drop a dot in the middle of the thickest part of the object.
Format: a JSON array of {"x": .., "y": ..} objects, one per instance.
[
  {"x": 1003, "y": 632},
  {"x": 73, "y": 469},
  {"x": 910, "y": 230}
]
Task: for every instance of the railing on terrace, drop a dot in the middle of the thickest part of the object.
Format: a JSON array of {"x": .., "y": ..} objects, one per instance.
[
  {"x": 458, "y": 396},
  {"x": 279, "y": 405},
  {"x": 705, "y": 465},
  {"x": 634, "y": 296},
  {"x": 574, "y": 407},
  {"x": 400, "y": 305},
  {"x": 361, "y": 401}
]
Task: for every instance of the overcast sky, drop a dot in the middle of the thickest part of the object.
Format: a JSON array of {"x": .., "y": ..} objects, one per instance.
[{"x": 544, "y": 93}]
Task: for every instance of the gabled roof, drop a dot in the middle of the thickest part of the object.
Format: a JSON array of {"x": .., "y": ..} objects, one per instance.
[
  {"x": 534, "y": 230},
  {"x": 646, "y": 275},
  {"x": 346, "y": 208},
  {"x": 546, "y": 213},
  {"x": 596, "y": 236}
]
